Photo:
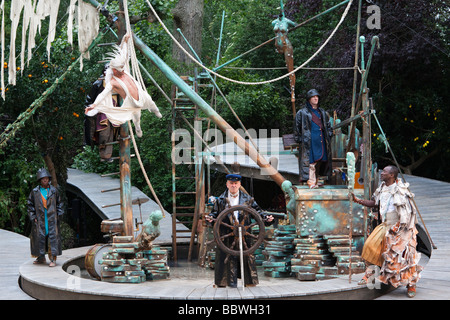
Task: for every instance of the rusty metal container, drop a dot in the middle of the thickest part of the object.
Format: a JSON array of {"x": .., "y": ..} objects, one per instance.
[
  {"x": 325, "y": 211},
  {"x": 93, "y": 257},
  {"x": 112, "y": 226}
]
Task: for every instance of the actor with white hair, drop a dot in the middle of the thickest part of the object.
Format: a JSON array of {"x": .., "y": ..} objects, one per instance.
[{"x": 135, "y": 97}]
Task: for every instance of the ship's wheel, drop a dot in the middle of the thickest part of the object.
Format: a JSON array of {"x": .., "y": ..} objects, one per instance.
[{"x": 227, "y": 229}]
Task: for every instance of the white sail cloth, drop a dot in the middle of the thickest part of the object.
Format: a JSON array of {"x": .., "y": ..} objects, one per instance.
[
  {"x": 130, "y": 109},
  {"x": 32, "y": 13}
]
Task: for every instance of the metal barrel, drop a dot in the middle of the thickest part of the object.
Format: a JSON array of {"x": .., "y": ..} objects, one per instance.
[{"x": 93, "y": 257}]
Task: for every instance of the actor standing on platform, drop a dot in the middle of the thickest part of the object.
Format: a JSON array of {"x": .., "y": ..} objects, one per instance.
[{"x": 312, "y": 131}]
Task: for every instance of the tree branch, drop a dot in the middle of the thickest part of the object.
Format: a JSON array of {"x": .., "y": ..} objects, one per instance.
[{"x": 414, "y": 163}]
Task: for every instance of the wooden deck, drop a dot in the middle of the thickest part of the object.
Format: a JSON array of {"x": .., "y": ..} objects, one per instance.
[
  {"x": 432, "y": 197},
  {"x": 14, "y": 251},
  {"x": 229, "y": 153},
  {"x": 89, "y": 186}
]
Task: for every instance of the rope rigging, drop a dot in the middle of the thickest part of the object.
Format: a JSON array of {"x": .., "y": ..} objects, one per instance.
[
  {"x": 12, "y": 128},
  {"x": 10, "y": 131},
  {"x": 137, "y": 74},
  {"x": 260, "y": 82}
]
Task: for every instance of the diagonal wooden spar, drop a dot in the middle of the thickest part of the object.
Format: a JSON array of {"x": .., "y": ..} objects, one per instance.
[{"x": 250, "y": 151}]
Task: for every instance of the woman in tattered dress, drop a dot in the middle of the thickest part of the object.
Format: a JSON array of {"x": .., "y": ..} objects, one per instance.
[{"x": 399, "y": 256}]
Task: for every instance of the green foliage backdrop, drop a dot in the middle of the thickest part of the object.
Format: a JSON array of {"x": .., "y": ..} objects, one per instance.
[{"x": 409, "y": 83}]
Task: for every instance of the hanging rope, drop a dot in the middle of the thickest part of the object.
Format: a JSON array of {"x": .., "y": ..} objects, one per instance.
[
  {"x": 388, "y": 146},
  {"x": 136, "y": 72},
  {"x": 136, "y": 150},
  {"x": 253, "y": 83}
]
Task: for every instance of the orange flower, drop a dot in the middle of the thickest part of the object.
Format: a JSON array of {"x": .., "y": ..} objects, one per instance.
[
  {"x": 75, "y": 114},
  {"x": 60, "y": 138},
  {"x": 29, "y": 76}
]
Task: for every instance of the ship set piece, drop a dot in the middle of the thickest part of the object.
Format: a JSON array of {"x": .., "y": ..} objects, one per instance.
[{"x": 309, "y": 258}]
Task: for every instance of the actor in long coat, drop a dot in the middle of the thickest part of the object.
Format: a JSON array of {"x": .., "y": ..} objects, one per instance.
[
  {"x": 45, "y": 210},
  {"x": 227, "y": 271},
  {"x": 313, "y": 131}
]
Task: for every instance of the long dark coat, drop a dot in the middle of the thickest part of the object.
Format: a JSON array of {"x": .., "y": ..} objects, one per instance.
[
  {"x": 302, "y": 134},
  {"x": 54, "y": 214},
  {"x": 226, "y": 273}
]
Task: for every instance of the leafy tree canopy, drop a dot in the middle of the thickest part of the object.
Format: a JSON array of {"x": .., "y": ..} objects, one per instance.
[{"x": 408, "y": 82}]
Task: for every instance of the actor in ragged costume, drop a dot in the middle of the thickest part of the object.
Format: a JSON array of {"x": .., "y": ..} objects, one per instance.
[
  {"x": 119, "y": 80},
  {"x": 392, "y": 244}
]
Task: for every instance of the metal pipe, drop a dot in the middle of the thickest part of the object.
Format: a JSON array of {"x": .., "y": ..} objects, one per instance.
[
  {"x": 220, "y": 39},
  {"x": 349, "y": 120},
  {"x": 210, "y": 112}
]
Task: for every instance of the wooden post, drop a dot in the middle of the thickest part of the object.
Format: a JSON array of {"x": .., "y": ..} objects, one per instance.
[
  {"x": 126, "y": 210},
  {"x": 351, "y": 182},
  {"x": 367, "y": 166},
  {"x": 366, "y": 156}
]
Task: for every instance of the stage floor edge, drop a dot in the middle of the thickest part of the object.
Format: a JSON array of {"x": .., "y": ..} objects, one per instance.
[{"x": 44, "y": 283}]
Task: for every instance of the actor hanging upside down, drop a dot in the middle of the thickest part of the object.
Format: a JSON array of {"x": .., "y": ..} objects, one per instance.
[
  {"x": 135, "y": 98},
  {"x": 396, "y": 235}
]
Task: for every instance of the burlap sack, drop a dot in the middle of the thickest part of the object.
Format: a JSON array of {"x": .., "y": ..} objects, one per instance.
[{"x": 374, "y": 246}]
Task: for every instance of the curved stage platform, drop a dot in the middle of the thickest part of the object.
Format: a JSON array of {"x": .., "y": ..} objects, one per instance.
[
  {"x": 195, "y": 283},
  {"x": 187, "y": 282}
]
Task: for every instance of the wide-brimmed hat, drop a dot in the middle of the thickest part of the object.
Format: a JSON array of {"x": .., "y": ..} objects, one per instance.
[
  {"x": 311, "y": 93},
  {"x": 42, "y": 173}
]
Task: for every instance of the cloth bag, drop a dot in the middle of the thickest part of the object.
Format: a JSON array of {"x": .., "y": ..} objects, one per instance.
[{"x": 374, "y": 246}]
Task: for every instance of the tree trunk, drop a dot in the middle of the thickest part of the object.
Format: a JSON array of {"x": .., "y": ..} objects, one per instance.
[
  {"x": 416, "y": 163},
  {"x": 188, "y": 17},
  {"x": 51, "y": 169}
]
